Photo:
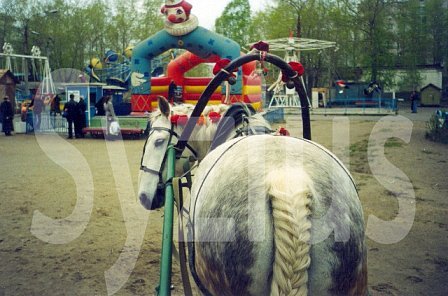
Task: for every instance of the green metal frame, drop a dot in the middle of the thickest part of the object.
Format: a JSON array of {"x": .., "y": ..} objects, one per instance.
[{"x": 164, "y": 288}]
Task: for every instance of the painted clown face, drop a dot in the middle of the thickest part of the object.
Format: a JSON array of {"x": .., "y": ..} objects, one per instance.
[
  {"x": 178, "y": 21},
  {"x": 175, "y": 14},
  {"x": 176, "y": 11}
]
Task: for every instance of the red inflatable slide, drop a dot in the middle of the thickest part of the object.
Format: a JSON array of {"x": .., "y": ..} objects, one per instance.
[{"x": 192, "y": 87}]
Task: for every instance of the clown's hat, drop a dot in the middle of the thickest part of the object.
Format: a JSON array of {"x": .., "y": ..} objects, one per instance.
[{"x": 171, "y": 3}]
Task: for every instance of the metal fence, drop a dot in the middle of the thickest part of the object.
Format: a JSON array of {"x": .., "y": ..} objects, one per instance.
[
  {"x": 48, "y": 123},
  {"x": 362, "y": 102}
]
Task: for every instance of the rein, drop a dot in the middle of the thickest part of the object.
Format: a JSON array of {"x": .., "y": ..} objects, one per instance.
[{"x": 168, "y": 187}]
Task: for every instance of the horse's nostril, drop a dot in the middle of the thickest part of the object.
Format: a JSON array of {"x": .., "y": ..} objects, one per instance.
[
  {"x": 143, "y": 197},
  {"x": 144, "y": 200},
  {"x": 150, "y": 203}
]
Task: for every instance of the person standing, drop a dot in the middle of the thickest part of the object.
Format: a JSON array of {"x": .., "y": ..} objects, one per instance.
[
  {"x": 7, "y": 116},
  {"x": 70, "y": 109},
  {"x": 80, "y": 121},
  {"x": 110, "y": 114},
  {"x": 414, "y": 101},
  {"x": 38, "y": 107},
  {"x": 172, "y": 91},
  {"x": 55, "y": 106},
  {"x": 99, "y": 106}
]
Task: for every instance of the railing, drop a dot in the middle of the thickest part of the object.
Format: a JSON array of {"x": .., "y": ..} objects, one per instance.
[
  {"x": 48, "y": 123},
  {"x": 380, "y": 103}
]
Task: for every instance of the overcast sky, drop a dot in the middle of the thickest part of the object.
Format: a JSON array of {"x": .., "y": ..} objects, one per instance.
[{"x": 208, "y": 11}]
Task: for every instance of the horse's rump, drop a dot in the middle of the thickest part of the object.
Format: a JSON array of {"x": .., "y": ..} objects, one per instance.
[{"x": 232, "y": 209}]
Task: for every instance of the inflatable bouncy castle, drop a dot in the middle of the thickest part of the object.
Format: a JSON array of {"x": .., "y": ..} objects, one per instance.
[{"x": 202, "y": 46}]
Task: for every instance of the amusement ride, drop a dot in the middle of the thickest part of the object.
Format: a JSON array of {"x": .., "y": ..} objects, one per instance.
[{"x": 291, "y": 47}]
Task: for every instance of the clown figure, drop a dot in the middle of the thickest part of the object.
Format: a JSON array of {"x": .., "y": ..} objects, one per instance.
[
  {"x": 179, "y": 21},
  {"x": 181, "y": 30}
]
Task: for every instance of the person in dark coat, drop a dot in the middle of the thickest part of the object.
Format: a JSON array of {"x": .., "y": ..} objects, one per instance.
[
  {"x": 171, "y": 91},
  {"x": 55, "y": 106},
  {"x": 71, "y": 111},
  {"x": 99, "y": 106},
  {"x": 414, "y": 101},
  {"x": 80, "y": 120},
  {"x": 7, "y": 116}
]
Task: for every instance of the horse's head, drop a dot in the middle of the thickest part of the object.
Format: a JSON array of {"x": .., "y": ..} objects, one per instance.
[
  {"x": 166, "y": 124},
  {"x": 152, "y": 168}
]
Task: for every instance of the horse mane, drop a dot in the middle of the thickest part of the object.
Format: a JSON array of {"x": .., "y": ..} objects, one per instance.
[
  {"x": 216, "y": 124},
  {"x": 181, "y": 109},
  {"x": 206, "y": 126},
  {"x": 187, "y": 109}
]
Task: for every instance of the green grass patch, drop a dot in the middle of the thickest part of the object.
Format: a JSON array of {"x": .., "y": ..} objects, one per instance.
[
  {"x": 359, "y": 147},
  {"x": 393, "y": 143}
]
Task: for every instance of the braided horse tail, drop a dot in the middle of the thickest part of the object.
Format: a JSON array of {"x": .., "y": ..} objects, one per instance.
[{"x": 290, "y": 195}]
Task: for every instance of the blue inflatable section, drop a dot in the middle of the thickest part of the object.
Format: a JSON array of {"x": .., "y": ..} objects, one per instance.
[{"x": 200, "y": 42}]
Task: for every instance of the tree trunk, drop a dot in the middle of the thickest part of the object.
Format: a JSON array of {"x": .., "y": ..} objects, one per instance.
[
  {"x": 26, "y": 39},
  {"x": 299, "y": 25}
]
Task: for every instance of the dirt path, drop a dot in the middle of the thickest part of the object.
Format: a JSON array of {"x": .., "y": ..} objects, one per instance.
[{"x": 34, "y": 179}]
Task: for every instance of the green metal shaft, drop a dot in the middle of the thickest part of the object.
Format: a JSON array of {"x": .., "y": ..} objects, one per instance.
[{"x": 167, "y": 236}]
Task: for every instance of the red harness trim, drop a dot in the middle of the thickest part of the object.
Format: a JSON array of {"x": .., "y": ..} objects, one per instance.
[{"x": 179, "y": 119}]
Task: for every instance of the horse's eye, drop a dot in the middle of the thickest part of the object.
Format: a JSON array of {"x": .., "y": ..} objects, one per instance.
[
  {"x": 159, "y": 142},
  {"x": 179, "y": 11}
]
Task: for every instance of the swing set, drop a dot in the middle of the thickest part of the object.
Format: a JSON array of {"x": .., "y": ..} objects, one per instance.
[{"x": 29, "y": 69}]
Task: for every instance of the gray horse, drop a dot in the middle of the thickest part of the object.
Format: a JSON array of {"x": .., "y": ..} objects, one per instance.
[{"x": 271, "y": 215}]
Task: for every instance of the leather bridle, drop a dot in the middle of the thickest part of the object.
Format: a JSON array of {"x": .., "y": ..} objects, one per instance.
[{"x": 161, "y": 185}]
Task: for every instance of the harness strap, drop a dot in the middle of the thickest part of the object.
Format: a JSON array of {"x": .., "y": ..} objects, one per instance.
[
  {"x": 191, "y": 260},
  {"x": 151, "y": 170},
  {"x": 145, "y": 169},
  {"x": 179, "y": 151},
  {"x": 178, "y": 196},
  {"x": 148, "y": 170},
  {"x": 190, "y": 227},
  {"x": 252, "y": 130},
  {"x": 175, "y": 252}
]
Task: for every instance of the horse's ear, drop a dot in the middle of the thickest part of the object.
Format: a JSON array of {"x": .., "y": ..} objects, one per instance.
[{"x": 164, "y": 106}]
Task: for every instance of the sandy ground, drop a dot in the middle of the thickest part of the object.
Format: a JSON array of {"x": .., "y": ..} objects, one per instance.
[{"x": 90, "y": 249}]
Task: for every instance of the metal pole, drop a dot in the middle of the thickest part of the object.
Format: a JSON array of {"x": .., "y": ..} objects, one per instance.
[
  {"x": 25, "y": 73},
  {"x": 164, "y": 288},
  {"x": 23, "y": 56}
]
